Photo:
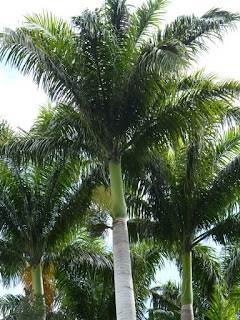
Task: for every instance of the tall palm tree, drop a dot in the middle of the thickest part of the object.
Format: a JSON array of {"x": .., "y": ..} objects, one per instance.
[
  {"x": 109, "y": 68},
  {"x": 190, "y": 195},
  {"x": 40, "y": 208}
]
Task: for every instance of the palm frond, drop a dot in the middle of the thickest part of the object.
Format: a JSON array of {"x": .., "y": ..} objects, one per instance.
[
  {"x": 206, "y": 269},
  {"x": 146, "y": 259},
  {"x": 146, "y": 20},
  {"x": 84, "y": 259},
  {"x": 166, "y": 298},
  {"x": 230, "y": 257},
  {"x": 119, "y": 16},
  {"x": 193, "y": 31},
  {"x": 80, "y": 271},
  {"x": 9, "y": 303},
  {"x": 224, "y": 193},
  {"x": 220, "y": 307},
  {"x": 226, "y": 230},
  {"x": 25, "y": 49}
]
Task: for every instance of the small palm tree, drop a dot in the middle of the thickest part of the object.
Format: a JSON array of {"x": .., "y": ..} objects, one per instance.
[
  {"x": 189, "y": 195},
  {"x": 39, "y": 210},
  {"x": 109, "y": 69},
  {"x": 83, "y": 273}
]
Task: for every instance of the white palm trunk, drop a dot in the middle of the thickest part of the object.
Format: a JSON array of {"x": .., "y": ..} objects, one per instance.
[
  {"x": 187, "y": 312},
  {"x": 125, "y": 302}
]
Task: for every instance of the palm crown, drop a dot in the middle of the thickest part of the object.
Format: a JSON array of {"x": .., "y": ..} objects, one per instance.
[
  {"x": 39, "y": 208},
  {"x": 193, "y": 188},
  {"x": 107, "y": 67}
]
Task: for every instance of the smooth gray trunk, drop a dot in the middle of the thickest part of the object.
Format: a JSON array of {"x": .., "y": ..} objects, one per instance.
[
  {"x": 125, "y": 303},
  {"x": 187, "y": 312}
]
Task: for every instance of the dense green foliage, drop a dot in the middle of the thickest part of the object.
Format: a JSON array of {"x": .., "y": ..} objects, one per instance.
[{"x": 117, "y": 76}]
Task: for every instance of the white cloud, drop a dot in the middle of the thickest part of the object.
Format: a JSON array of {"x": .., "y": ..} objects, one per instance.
[{"x": 20, "y": 100}]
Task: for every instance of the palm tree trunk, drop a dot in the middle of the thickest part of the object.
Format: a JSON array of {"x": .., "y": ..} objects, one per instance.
[
  {"x": 37, "y": 286},
  {"x": 125, "y": 302},
  {"x": 187, "y": 292}
]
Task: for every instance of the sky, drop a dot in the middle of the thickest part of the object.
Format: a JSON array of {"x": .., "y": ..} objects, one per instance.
[{"x": 21, "y": 99}]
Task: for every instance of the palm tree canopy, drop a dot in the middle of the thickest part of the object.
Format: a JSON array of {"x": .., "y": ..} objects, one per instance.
[
  {"x": 40, "y": 208},
  {"x": 194, "y": 193},
  {"x": 110, "y": 65}
]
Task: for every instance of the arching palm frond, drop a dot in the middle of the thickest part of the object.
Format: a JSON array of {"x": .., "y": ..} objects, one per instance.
[
  {"x": 72, "y": 211},
  {"x": 185, "y": 103},
  {"x": 206, "y": 270},
  {"x": 221, "y": 307},
  {"x": 22, "y": 307},
  {"x": 166, "y": 301},
  {"x": 182, "y": 40},
  {"x": 230, "y": 264},
  {"x": 192, "y": 31},
  {"x": 12, "y": 260},
  {"x": 119, "y": 16},
  {"x": 9, "y": 303},
  {"x": 57, "y": 133},
  {"x": 86, "y": 258},
  {"x": 146, "y": 20},
  {"x": 147, "y": 258},
  {"x": 224, "y": 193},
  {"x": 50, "y": 35}
]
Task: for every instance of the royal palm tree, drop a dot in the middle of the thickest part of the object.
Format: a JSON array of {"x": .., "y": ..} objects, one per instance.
[
  {"x": 190, "y": 195},
  {"x": 40, "y": 208},
  {"x": 82, "y": 280},
  {"x": 109, "y": 70}
]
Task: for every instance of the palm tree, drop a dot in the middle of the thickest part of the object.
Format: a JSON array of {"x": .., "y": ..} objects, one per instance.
[
  {"x": 40, "y": 208},
  {"x": 190, "y": 195},
  {"x": 83, "y": 273},
  {"x": 109, "y": 69}
]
